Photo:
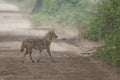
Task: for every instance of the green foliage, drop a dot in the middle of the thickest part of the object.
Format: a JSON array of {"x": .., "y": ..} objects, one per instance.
[
  {"x": 105, "y": 25},
  {"x": 105, "y": 20},
  {"x": 112, "y": 50},
  {"x": 65, "y": 12},
  {"x": 44, "y": 20}
]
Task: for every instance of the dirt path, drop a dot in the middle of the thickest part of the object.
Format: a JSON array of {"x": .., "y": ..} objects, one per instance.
[{"x": 69, "y": 63}]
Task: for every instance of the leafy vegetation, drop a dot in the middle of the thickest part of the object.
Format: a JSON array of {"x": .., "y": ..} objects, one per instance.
[
  {"x": 105, "y": 25},
  {"x": 64, "y": 12}
]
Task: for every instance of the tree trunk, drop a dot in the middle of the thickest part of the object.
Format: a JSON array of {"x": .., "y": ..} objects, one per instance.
[{"x": 37, "y": 6}]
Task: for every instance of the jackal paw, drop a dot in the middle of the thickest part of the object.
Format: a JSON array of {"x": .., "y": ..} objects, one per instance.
[
  {"x": 53, "y": 61},
  {"x": 38, "y": 60},
  {"x": 33, "y": 61},
  {"x": 22, "y": 61}
]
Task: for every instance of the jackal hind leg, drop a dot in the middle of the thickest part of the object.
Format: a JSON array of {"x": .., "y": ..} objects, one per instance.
[
  {"x": 30, "y": 54},
  {"x": 40, "y": 51},
  {"x": 25, "y": 55},
  {"x": 48, "y": 50}
]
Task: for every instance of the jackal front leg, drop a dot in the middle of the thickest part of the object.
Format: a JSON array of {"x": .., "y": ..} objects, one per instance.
[{"x": 48, "y": 50}]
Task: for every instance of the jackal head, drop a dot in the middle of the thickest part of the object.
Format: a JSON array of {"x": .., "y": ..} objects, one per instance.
[{"x": 52, "y": 33}]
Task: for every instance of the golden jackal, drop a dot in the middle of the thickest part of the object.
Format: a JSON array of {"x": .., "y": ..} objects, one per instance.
[{"x": 38, "y": 44}]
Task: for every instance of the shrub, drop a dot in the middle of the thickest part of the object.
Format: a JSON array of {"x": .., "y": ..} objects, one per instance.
[{"x": 105, "y": 25}]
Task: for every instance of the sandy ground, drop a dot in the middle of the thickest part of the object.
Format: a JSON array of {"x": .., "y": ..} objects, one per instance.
[{"x": 70, "y": 63}]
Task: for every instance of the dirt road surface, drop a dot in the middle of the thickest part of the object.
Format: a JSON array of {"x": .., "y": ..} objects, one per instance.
[{"x": 69, "y": 63}]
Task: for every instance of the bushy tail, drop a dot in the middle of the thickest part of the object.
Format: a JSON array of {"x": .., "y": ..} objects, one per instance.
[{"x": 22, "y": 46}]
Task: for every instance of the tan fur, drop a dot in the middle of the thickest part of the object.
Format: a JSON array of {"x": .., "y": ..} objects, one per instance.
[{"x": 38, "y": 44}]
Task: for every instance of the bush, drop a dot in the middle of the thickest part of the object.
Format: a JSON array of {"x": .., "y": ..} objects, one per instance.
[
  {"x": 105, "y": 25},
  {"x": 105, "y": 20}
]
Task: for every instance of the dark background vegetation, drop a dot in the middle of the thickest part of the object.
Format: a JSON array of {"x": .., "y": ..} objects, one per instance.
[{"x": 100, "y": 20}]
